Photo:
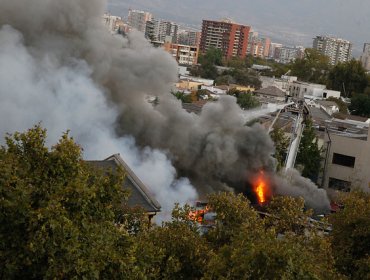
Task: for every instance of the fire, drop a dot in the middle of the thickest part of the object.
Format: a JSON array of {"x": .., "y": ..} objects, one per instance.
[
  {"x": 261, "y": 189},
  {"x": 198, "y": 214}
]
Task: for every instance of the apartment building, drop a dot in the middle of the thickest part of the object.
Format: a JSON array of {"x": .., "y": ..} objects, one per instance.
[
  {"x": 272, "y": 49},
  {"x": 258, "y": 47},
  {"x": 188, "y": 37},
  {"x": 347, "y": 168},
  {"x": 137, "y": 19},
  {"x": 338, "y": 50},
  {"x": 286, "y": 54},
  {"x": 184, "y": 55},
  {"x": 114, "y": 24},
  {"x": 229, "y": 37},
  {"x": 365, "y": 57},
  {"x": 159, "y": 30}
]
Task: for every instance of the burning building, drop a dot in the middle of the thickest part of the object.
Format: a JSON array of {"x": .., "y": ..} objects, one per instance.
[{"x": 58, "y": 54}]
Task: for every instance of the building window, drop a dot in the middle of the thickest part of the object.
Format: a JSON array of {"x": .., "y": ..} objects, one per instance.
[
  {"x": 344, "y": 160},
  {"x": 340, "y": 185}
]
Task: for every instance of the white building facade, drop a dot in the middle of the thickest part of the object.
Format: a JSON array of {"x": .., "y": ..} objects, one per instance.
[
  {"x": 301, "y": 90},
  {"x": 137, "y": 19},
  {"x": 365, "y": 57},
  {"x": 338, "y": 50},
  {"x": 286, "y": 54}
]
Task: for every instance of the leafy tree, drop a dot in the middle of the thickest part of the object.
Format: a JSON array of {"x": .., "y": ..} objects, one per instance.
[
  {"x": 225, "y": 80},
  {"x": 247, "y": 101},
  {"x": 287, "y": 215},
  {"x": 246, "y": 77},
  {"x": 244, "y": 99},
  {"x": 309, "y": 154},
  {"x": 173, "y": 251},
  {"x": 185, "y": 98},
  {"x": 343, "y": 108},
  {"x": 348, "y": 77},
  {"x": 208, "y": 63},
  {"x": 247, "y": 246},
  {"x": 360, "y": 105},
  {"x": 58, "y": 217},
  {"x": 351, "y": 235},
  {"x": 281, "y": 146},
  {"x": 212, "y": 56},
  {"x": 313, "y": 67},
  {"x": 237, "y": 63},
  {"x": 232, "y": 211}
]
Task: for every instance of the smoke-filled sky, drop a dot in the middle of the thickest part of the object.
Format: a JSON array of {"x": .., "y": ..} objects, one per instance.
[
  {"x": 61, "y": 67},
  {"x": 286, "y": 21}
]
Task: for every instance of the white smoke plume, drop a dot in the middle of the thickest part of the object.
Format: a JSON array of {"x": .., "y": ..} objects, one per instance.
[
  {"x": 65, "y": 97},
  {"x": 60, "y": 66}
]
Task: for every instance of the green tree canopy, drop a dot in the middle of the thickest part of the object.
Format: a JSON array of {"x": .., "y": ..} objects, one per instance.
[
  {"x": 212, "y": 56},
  {"x": 246, "y": 78},
  {"x": 185, "y": 98},
  {"x": 360, "y": 105},
  {"x": 309, "y": 154},
  {"x": 313, "y": 67},
  {"x": 57, "y": 215},
  {"x": 348, "y": 77},
  {"x": 281, "y": 145},
  {"x": 351, "y": 235},
  {"x": 343, "y": 108},
  {"x": 174, "y": 251},
  {"x": 244, "y": 99},
  {"x": 247, "y": 246}
]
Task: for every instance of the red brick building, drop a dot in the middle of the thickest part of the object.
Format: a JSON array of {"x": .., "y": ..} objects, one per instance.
[{"x": 230, "y": 38}]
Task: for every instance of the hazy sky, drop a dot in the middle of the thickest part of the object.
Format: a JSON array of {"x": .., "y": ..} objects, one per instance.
[{"x": 285, "y": 21}]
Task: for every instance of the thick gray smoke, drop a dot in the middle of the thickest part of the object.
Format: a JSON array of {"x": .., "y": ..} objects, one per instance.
[
  {"x": 60, "y": 66},
  {"x": 293, "y": 184}
]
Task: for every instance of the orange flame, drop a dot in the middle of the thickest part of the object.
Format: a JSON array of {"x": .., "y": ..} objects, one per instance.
[
  {"x": 198, "y": 214},
  {"x": 261, "y": 189}
]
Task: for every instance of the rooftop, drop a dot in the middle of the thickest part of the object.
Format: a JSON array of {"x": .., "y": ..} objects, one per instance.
[
  {"x": 327, "y": 103},
  {"x": 194, "y": 107},
  {"x": 139, "y": 194},
  {"x": 272, "y": 91}
]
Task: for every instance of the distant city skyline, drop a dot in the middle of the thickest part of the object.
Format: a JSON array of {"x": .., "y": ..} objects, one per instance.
[{"x": 289, "y": 22}]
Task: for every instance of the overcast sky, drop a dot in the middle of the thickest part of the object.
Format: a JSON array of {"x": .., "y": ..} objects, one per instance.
[{"x": 286, "y": 21}]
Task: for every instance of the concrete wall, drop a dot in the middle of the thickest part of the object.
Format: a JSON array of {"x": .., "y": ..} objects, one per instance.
[{"x": 359, "y": 175}]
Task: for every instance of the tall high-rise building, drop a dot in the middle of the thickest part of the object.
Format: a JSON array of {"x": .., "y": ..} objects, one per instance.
[
  {"x": 113, "y": 23},
  {"x": 338, "y": 50},
  {"x": 286, "y": 54},
  {"x": 184, "y": 55},
  {"x": 189, "y": 38},
  {"x": 229, "y": 37},
  {"x": 266, "y": 42},
  {"x": 137, "y": 19},
  {"x": 258, "y": 47},
  {"x": 161, "y": 31},
  {"x": 272, "y": 49},
  {"x": 365, "y": 57}
]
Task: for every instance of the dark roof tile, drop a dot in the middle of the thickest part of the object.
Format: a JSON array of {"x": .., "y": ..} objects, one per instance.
[{"x": 139, "y": 194}]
